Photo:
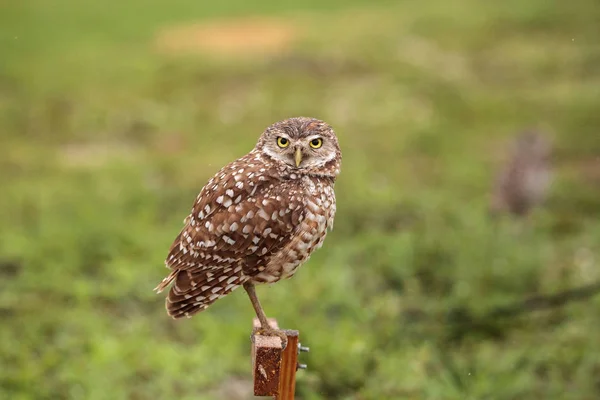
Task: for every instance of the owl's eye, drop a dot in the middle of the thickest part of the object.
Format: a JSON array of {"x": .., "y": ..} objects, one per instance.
[
  {"x": 316, "y": 143},
  {"x": 282, "y": 142}
]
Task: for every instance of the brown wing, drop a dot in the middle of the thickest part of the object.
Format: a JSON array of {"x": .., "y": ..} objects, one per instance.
[{"x": 240, "y": 218}]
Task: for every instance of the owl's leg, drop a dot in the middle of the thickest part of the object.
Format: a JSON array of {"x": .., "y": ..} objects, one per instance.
[
  {"x": 265, "y": 328},
  {"x": 256, "y": 304}
]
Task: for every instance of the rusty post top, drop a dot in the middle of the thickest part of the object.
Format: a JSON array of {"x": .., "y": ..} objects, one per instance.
[{"x": 273, "y": 368}]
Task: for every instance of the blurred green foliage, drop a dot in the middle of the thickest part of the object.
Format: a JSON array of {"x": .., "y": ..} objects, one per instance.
[{"x": 106, "y": 141}]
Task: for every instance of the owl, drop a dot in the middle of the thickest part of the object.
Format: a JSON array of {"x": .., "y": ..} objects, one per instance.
[
  {"x": 525, "y": 179},
  {"x": 257, "y": 220}
]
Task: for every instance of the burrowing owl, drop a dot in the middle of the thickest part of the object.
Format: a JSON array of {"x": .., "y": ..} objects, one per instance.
[
  {"x": 523, "y": 182},
  {"x": 257, "y": 220}
]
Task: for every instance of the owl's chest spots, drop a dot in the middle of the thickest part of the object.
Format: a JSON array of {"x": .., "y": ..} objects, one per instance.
[{"x": 319, "y": 211}]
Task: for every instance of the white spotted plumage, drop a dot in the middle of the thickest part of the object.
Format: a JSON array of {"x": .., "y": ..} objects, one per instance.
[{"x": 257, "y": 220}]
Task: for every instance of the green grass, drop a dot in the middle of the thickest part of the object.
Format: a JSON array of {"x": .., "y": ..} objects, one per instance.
[{"x": 105, "y": 143}]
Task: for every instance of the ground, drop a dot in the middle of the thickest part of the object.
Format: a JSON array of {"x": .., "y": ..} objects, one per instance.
[{"x": 113, "y": 115}]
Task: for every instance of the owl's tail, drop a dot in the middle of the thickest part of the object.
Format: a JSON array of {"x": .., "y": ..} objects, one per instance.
[
  {"x": 166, "y": 282},
  {"x": 194, "y": 291}
]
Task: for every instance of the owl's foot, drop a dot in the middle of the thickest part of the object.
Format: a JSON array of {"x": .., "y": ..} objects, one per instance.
[{"x": 274, "y": 332}]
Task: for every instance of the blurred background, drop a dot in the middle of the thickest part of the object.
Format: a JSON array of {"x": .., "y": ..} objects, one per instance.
[{"x": 431, "y": 286}]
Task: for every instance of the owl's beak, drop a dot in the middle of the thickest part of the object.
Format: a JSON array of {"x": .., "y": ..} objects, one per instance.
[{"x": 298, "y": 157}]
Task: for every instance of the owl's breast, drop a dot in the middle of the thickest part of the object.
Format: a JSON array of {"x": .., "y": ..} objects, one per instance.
[
  {"x": 318, "y": 215},
  {"x": 319, "y": 205}
]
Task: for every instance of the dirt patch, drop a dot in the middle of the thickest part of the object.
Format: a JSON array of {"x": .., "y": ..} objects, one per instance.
[
  {"x": 234, "y": 388},
  {"x": 589, "y": 169},
  {"x": 241, "y": 36}
]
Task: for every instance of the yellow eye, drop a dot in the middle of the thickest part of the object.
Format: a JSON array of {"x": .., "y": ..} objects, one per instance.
[
  {"x": 316, "y": 143},
  {"x": 282, "y": 142}
]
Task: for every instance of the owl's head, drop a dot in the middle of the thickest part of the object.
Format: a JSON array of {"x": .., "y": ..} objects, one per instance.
[
  {"x": 532, "y": 147},
  {"x": 303, "y": 145}
]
